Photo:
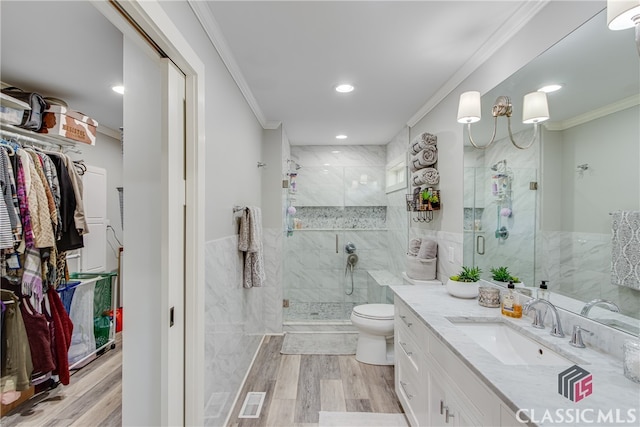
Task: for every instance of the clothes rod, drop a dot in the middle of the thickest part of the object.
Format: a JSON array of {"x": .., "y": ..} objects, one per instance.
[{"x": 44, "y": 141}]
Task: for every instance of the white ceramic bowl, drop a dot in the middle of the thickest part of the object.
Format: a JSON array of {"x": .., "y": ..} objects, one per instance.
[{"x": 462, "y": 289}]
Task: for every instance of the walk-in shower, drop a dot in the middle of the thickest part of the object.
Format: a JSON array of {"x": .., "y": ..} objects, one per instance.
[{"x": 339, "y": 205}]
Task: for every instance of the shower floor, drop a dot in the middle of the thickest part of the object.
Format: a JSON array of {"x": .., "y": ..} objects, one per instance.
[{"x": 312, "y": 311}]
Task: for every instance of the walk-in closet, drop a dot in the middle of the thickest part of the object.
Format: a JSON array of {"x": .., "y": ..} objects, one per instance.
[{"x": 61, "y": 216}]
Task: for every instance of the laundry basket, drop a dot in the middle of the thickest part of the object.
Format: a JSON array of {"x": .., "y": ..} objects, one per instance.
[{"x": 102, "y": 305}]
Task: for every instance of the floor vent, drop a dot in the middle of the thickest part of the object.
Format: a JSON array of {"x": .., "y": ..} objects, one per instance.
[{"x": 252, "y": 404}]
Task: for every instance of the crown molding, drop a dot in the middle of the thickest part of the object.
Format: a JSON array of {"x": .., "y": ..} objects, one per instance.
[
  {"x": 214, "y": 33},
  {"x": 623, "y": 104},
  {"x": 498, "y": 39}
]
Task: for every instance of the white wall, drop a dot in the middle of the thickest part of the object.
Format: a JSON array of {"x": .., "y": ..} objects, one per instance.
[
  {"x": 107, "y": 154},
  {"x": 609, "y": 145},
  {"x": 233, "y": 134}
]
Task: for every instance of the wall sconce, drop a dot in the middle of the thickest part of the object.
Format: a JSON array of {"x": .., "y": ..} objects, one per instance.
[
  {"x": 623, "y": 14},
  {"x": 535, "y": 110}
]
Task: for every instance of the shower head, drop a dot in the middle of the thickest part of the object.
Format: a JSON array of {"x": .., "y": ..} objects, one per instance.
[
  {"x": 293, "y": 164},
  {"x": 500, "y": 166}
]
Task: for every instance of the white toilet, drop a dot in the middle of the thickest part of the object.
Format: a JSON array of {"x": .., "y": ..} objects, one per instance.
[{"x": 374, "y": 323}]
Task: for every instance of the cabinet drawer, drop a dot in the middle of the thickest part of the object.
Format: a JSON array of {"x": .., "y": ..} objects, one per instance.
[
  {"x": 409, "y": 390},
  {"x": 406, "y": 347},
  {"x": 407, "y": 321}
]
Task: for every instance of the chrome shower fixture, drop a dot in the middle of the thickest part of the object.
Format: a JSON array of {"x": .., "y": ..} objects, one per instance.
[{"x": 293, "y": 164}]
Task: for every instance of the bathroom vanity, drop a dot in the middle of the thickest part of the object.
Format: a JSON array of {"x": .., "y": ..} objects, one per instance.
[{"x": 448, "y": 373}]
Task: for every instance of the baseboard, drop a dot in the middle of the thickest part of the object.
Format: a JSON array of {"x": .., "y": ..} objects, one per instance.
[{"x": 244, "y": 380}]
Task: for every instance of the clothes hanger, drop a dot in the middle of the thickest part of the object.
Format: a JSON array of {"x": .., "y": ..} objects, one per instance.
[{"x": 10, "y": 150}]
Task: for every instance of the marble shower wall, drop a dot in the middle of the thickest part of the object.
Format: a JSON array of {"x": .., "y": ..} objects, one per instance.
[
  {"x": 236, "y": 318},
  {"x": 517, "y": 252},
  {"x": 338, "y": 195},
  {"x": 575, "y": 266}
]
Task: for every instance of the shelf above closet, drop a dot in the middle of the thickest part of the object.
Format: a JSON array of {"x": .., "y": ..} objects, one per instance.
[{"x": 26, "y": 136}]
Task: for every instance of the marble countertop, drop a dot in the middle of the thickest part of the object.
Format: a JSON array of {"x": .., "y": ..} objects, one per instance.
[{"x": 532, "y": 389}]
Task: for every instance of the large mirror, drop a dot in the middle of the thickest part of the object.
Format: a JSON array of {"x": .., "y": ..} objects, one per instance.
[{"x": 547, "y": 212}]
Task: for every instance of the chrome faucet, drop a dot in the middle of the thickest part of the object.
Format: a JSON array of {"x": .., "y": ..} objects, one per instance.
[
  {"x": 599, "y": 301},
  {"x": 538, "y": 319}
]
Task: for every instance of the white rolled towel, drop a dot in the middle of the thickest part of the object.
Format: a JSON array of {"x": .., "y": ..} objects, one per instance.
[
  {"x": 422, "y": 141},
  {"x": 424, "y": 158},
  {"x": 429, "y": 176}
]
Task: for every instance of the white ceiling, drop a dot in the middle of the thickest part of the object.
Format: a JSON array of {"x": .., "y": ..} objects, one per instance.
[
  {"x": 287, "y": 57},
  {"x": 396, "y": 54},
  {"x": 63, "y": 49}
]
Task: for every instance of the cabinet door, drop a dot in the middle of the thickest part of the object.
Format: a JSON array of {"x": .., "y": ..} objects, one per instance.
[
  {"x": 446, "y": 407},
  {"x": 437, "y": 401}
]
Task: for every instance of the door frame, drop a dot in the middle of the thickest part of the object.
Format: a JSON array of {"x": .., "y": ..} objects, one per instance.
[{"x": 156, "y": 23}]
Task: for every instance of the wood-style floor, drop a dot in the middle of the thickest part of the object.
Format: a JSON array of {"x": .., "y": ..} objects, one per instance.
[
  {"x": 92, "y": 398},
  {"x": 299, "y": 386}
]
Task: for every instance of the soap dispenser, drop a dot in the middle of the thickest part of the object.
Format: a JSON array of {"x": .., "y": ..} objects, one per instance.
[
  {"x": 543, "y": 292},
  {"x": 511, "y": 306}
]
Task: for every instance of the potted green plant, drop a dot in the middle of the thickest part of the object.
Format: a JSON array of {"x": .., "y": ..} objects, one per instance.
[
  {"x": 465, "y": 284},
  {"x": 430, "y": 199},
  {"x": 502, "y": 274}
]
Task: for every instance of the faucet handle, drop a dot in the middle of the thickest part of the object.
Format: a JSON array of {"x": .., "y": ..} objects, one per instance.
[{"x": 576, "y": 336}]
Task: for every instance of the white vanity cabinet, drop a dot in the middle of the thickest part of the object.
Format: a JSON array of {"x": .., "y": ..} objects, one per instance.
[{"x": 433, "y": 385}]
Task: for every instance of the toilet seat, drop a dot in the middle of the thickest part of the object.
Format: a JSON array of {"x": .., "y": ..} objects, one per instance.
[{"x": 374, "y": 311}]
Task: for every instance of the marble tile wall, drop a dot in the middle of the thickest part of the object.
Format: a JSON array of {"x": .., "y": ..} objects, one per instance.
[
  {"x": 236, "y": 318},
  {"x": 315, "y": 273},
  {"x": 578, "y": 265},
  {"x": 517, "y": 252},
  {"x": 337, "y": 194}
]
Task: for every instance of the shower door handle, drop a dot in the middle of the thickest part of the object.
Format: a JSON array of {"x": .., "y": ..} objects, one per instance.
[
  {"x": 480, "y": 252},
  {"x": 337, "y": 248}
]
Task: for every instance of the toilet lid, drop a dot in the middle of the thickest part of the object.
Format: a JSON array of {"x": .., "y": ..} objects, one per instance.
[{"x": 374, "y": 311}]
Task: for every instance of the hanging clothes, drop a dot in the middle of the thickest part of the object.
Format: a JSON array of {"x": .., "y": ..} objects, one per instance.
[
  {"x": 9, "y": 195},
  {"x": 70, "y": 236},
  {"x": 61, "y": 329},
  {"x": 16, "y": 366},
  {"x": 37, "y": 328}
]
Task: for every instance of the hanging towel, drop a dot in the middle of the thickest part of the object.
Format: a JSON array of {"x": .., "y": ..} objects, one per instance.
[
  {"x": 429, "y": 176},
  {"x": 422, "y": 141},
  {"x": 250, "y": 242},
  {"x": 424, "y": 158},
  {"x": 625, "y": 249}
]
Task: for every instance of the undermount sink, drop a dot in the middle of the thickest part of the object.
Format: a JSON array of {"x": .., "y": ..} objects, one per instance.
[{"x": 509, "y": 345}]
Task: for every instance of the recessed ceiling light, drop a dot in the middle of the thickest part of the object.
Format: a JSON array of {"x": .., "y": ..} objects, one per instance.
[
  {"x": 327, "y": 164},
  {"x": 550, "y": 88},
  {"x": 118, "y": 89},
  {"x": 335, "y": 152},
  {"x": 344, "y": 88},
  {"x": 341, "y": 136}
]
